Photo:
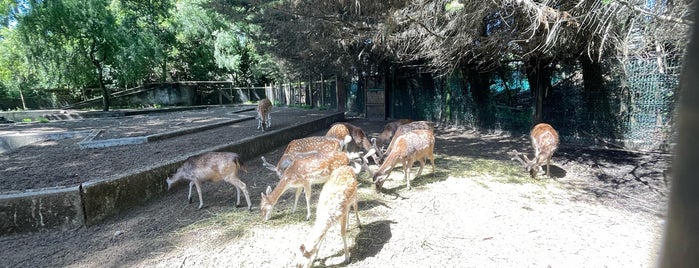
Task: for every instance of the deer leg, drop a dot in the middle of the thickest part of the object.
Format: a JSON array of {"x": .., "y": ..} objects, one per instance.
[
  {"x": 189, "y": 196},
  {"x": 237, "y": 196},
  {"x": 240, "y": 186},
  {"x": 356, "y": 212},
  {"x": 269, "y": 119},
  {"x": 307, "y": 189},
  {"x": 296, "y": 199},
  {"x": 422, "y": 165},
  {"x": 406, "y": 170},
  {"x": 343, "y": 233},
  {"x": 201, "y": 199}
]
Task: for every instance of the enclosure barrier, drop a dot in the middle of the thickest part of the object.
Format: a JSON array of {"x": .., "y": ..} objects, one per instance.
[{"x": 65, "y": 208}]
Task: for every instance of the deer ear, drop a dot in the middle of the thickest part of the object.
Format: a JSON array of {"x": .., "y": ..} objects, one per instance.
[
  {"x": 304, "y": 252},
  {"x": 269, "y": 189}
]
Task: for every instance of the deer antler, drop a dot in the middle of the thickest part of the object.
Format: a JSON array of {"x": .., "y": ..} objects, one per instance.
[
  {"x": 269, "y": 166},
  {"x": 518, "y": 156}
]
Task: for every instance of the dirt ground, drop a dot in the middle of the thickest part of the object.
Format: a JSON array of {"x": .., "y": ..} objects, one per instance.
[{"x": 603, "y": 208}]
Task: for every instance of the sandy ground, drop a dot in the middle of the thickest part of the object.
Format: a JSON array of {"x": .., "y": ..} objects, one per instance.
[{"x": 603, "y": 208}]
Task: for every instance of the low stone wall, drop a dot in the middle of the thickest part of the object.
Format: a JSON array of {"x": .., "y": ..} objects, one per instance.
[
  {"x": 48, "y": 209},
  {"x": 96, "y": 200}
]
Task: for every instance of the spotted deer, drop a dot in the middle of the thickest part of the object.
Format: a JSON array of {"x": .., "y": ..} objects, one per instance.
[
  {"x": 388, "y": 131},
  {"x": 212, "y": 166},
  {"x": 416, "y": 145},
  {"x": 359, "y": 140},
  {"x": 302, "y": 172},
  {"x": 408, "y": 127},
  {"x": 545, "y": 142},
  {"x": 264, "y": 111},
  {"x": 337, "y": 196},
  {"x": 300, "y": 146}
]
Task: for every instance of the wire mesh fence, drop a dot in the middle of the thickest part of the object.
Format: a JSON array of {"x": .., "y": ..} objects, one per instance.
[{"x": 634, "y": 109}]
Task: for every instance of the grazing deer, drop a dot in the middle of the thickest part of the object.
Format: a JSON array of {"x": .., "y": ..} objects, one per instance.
[
  {"x": 545, "y": 142},
  {"x": 409, "y": 147},
  {"x": 405, "y": 128},
  {"x": 388, "y": 131},
  {"x": 336, "y": 198},
  {"x": 211, "y": 166},
  {"x": 304, "y": 171},
  {"x": 264, "y": 111},
  {"x": 359, "y": 139},
  {"x": 309, "y": 144}
]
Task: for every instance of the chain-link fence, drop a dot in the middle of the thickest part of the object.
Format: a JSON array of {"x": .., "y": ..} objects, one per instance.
[{"x": 633, "y": 109}]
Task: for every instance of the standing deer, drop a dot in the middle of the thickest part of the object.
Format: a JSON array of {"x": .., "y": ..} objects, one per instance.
[
  {"x": 545, "y": 142},
  {"x": 304, "y": 171},
  {"x": 211, "y": 166},
  {"x": 309, "y": 144},
  {"x": 405, "y": 128},
  {"x": 336, "y": 198},
  {"x": 409, "y": 147},
  {"x": 388, "y": 131},
  {"x": 264, "y": 111},
  {"x": 359, "y": 139}
]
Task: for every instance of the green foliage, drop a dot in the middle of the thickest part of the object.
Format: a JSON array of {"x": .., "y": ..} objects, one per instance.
[
  {"x": 454, "y": 6},
  {"x": 113, "y": 44}
]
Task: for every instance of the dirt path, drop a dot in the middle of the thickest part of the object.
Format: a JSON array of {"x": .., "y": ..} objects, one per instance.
[{"x": 476, "y": 210}]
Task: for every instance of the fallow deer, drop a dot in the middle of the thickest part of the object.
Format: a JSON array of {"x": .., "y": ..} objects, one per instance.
[
  {"x": 359, "y": 140},
  {"x": 337, "y": 196},
  {"x": 416, "y": 145},
  {"x": 264, "y": 114},
  {"x": 545, "y": 141},
  {"x": 388, "y": 131},
  {"x": 303, "y": 171},
  {"x": 309, "y": 144},
  {"x": 211, "y": 166},
  {"x": 405, "y": 128}
]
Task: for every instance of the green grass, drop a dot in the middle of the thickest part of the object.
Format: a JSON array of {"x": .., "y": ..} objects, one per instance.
[{"x": 502, "y": 171}]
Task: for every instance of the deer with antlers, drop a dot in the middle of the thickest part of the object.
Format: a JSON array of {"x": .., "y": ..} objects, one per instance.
[{"x": 545, "y": 141}]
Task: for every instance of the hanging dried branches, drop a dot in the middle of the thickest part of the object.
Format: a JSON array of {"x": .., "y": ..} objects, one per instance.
[{"x": 481, "y": 34}]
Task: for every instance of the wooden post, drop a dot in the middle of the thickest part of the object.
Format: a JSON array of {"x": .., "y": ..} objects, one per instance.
[
  {"x": 220, "y": 95},
  {"x": 340, "y": 95}
]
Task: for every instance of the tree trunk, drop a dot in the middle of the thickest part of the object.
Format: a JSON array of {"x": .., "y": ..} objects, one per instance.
[
  {"x": 340, "y": 93},
  {"x": 539, "y": 76},
  {"x": 100, "y": 77},
  {"x": 479, "y": 83}
]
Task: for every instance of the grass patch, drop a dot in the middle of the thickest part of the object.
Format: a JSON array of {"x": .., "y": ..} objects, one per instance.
[{"x": 502, "y": 171}]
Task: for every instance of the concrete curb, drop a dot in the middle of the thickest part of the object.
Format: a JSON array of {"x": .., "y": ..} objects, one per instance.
[
  {"x": 99, "y": 199},
  {"x": 90, "y": 143},
  {"x": 46, "y": 209},
  {"x": 11, "y": 141}
]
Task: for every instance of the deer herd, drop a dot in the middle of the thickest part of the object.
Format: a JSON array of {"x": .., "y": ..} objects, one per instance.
[{"x": 335, "y": 160}]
